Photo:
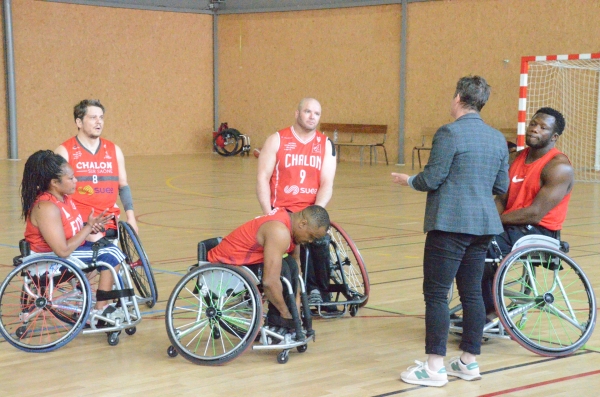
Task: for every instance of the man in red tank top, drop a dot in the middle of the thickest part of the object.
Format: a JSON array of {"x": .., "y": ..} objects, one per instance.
[
  {"x": 296, "y": 168},
  {"x": 99, "y": 167},
  {"x": 541, "y": 181},
  {"x": 267, "y": 239}
]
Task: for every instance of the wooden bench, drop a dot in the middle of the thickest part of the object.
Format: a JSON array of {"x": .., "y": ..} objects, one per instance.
[
  {"x": 510, "y": 134},
  {"x": 350, "y": 133}
]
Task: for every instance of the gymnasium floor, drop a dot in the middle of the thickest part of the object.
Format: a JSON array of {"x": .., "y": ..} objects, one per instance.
[{"x": 180, "y": 200}]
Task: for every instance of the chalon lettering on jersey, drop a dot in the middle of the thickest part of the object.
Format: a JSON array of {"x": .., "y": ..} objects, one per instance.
[
  {"x": 302, "y": 160},
  {"x": 95, "y": 167}
]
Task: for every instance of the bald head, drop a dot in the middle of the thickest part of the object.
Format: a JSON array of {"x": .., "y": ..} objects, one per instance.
[
  {"x": 307, "y": 116},
  {"x": 306, "y": 101}
]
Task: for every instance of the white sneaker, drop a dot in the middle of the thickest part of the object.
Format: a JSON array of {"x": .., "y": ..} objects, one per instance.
[
  {"x": 464, "y": 371},
  {"x": 420, "y": 374}
]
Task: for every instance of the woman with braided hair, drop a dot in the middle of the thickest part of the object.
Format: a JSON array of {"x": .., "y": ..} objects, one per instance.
[{"x": 53, "y": 223}]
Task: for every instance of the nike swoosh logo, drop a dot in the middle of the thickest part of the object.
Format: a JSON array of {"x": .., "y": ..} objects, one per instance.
[{"x": 517, "y": 180}]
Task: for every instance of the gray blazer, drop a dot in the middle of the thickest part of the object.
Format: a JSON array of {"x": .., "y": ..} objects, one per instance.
[{"x": 468, "y": 164}]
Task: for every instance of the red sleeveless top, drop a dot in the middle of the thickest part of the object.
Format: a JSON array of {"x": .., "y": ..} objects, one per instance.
[
  {"x": 97, "y": 177},
  {"x": 71, "y": 221},
  {"x": 297, "y": 174},
  {"x": 525, "y": 185},
  {"x": 240, "y": 247}
]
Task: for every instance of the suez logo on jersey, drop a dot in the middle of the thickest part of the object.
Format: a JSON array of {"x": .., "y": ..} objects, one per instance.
[
  {"x": 294, "y": 190},
  {"x": 88, "y": 190},
  {"x": 102, "y": 167}
]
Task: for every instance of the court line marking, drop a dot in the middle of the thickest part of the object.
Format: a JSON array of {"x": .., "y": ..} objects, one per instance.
[
  {"x": 169, "y": 183},
  {"x": 547, "y": 382},
  {"x": 487, "y": 372}
]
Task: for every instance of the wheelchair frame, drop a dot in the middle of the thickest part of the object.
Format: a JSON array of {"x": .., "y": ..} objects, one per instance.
[
  {"x": 230, "y": 142},
  {"x": 542, "y": 298},
  {"x": 135, "y": 276},
  {"x": 215, "y": 313},
  {"x": 46, "y": 301},
  {"x": 348, "y": 281}
]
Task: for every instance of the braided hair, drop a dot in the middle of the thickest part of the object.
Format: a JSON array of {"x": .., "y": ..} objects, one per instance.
[{"x": 40, "y": 169}]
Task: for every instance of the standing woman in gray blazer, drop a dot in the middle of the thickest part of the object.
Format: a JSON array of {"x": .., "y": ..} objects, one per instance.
[{"x": 468, "y": 164}]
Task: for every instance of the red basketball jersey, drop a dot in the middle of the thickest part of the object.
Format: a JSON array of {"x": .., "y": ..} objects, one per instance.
[
  {"x": 71, "y": 221},
  {"x": 297, "y": 174},
  {"x": 525, "y": 185},
  {"x": 241, "y": 247},
  {"x": 97, "y": 177}
]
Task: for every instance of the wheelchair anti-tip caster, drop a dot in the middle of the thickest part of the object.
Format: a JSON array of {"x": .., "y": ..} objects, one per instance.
[
  {"x": 302, "y": 348},
  {"x": 131, "y": 331},
  {"x": 172, "y": 352},
  {"x": 21, "y": 331},
  {"x": 353, "y": 310},
  {"x": 113, "y": 338},
  {"x": 283, "y": 357}
]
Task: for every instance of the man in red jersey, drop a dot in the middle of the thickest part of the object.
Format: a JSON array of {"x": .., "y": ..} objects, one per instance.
[
  {"x": 99, "y": 167},
  {"x": 267, "y": 239},
  {"x": 296, "y": 168},
  {"x": 541, "y": 181}
]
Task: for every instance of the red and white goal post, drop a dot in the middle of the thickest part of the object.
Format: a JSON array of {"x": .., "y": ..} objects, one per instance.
[{"x": 571, "y": 85}]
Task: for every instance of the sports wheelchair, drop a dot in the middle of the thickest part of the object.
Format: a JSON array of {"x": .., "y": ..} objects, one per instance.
[
  {"x": 230, "y": 142},
  {"x": 138, "y": 265},
  {"x": 45, "y": 301},
  {"x": 348, "y": 279},
  {"x": 542, "y": 298},
  {"x": 215, "y": 313}
]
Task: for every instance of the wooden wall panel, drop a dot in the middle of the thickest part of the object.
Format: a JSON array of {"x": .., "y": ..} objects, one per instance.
[
  {"x": 346, "y": 58},
  {"x": 152, "y": 70},
  {"x": 450, "y": 39},
  {"x": 349, "y": 60}
]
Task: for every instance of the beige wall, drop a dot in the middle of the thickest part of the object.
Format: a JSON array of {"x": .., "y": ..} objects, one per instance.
[
  {"x": 152, "y": 70},
  {"x": 349, "y": 60},
  {"x": 450, "y": 39},
  {"x": 346, "y": 58}
]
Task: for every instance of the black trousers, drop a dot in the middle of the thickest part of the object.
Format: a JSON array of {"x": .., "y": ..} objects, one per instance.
[{"x": 317, "y": 266}]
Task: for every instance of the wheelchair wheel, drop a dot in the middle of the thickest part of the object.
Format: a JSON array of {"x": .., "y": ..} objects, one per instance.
[
  {"x": 138, "y": 264},
  {"x": 347, "y": 267},
  {"x": 44, "y": 303},
  {"x": 228, "y": 142},
  {"x": 214, "y": 314},
  {"x": 544, "y": 301}
]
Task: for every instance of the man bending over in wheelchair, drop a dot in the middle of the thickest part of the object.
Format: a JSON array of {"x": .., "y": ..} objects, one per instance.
[
  {"x": 541, "y": 180},
  {"x": 267, "y": 239},
  {"x": 53, "y": 223}
]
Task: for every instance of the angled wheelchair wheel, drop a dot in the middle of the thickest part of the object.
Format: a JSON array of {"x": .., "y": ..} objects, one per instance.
[
  {"x": 228, "y": 142},
  {"x": 138, "y": 265},
  {"x": 347, "y": 268},
  {"x": 213, "y": 315},
  {"x": 44, "y": 303},
  {"x": 544, "y": 301}
]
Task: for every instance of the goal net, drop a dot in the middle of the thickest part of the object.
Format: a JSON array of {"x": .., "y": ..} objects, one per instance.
[{"x": 571, "y": 85}]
